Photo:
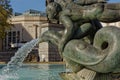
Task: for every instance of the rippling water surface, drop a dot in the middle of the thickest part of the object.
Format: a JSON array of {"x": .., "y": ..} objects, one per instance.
[{"x": 36, "y": 72}]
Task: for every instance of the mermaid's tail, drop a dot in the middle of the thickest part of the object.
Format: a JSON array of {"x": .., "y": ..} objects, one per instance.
[{"x": 103, "y": 56}]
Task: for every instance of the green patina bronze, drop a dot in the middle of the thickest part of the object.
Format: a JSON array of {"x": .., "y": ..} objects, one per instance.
[{"x": 84, "y": 43}]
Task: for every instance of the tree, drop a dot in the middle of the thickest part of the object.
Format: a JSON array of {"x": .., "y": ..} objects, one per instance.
[
  {"x": 6, "y": 5},
  {"x": 5, "y": 12}
]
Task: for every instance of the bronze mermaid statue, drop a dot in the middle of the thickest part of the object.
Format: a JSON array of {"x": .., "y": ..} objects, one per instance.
[{"x": 85, "y": 43}]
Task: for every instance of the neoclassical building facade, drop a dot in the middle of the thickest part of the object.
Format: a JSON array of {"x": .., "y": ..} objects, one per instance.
[{"x": 25, "y": 28}]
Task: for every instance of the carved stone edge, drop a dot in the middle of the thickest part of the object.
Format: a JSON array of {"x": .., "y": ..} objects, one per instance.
[{"x": 86, "y": 74}]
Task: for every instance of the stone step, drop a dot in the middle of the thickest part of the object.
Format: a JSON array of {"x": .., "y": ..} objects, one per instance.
[{"x": 6, "y": 56}]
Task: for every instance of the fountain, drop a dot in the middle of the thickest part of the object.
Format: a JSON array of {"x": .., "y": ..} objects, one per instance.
[
  {"x": 16, "y": 61},
  {"x": 90, "y": 50},
  {"x": 11, "y": 70}
]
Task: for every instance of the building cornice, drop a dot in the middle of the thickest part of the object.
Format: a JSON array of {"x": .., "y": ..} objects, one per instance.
[{"x": 25, "y": 18}]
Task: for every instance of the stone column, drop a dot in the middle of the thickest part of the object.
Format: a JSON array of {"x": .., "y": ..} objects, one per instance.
[{"x": 43, "y": 47}]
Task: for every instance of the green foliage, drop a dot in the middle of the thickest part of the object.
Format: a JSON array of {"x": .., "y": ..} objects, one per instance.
[
  {"x": 6, "y": 5},
  {"x": 5, "y": 12}
]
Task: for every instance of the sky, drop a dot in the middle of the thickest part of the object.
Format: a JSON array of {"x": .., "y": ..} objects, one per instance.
[{"x": 23, "y": 5}]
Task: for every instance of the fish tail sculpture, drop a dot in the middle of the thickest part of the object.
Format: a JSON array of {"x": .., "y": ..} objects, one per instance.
[{"x": 103, "y": 56}]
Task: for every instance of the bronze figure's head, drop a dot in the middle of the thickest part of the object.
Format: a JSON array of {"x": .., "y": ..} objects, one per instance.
[{"x": 53, "y": 10}]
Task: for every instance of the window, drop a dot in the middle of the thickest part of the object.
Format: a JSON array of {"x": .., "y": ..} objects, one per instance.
[{"x": 12, "y": 37}]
